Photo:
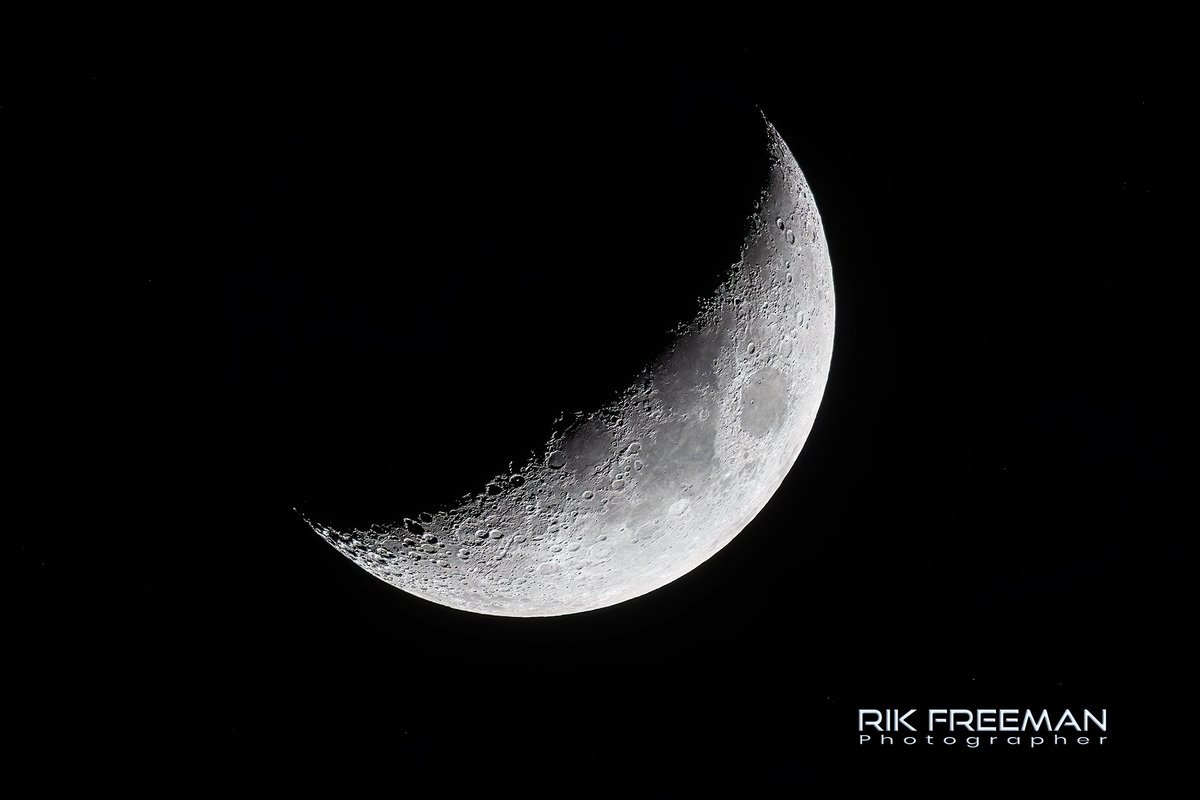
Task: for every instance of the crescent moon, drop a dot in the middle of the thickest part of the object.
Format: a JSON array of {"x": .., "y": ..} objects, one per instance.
[{"x": 646, "y": 488}]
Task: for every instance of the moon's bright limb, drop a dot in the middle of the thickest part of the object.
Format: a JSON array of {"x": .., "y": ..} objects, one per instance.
[{"x": 648, "y": 487}]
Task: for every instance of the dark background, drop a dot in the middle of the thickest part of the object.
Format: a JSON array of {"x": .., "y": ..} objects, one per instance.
[{"x": 357, "y": 279}]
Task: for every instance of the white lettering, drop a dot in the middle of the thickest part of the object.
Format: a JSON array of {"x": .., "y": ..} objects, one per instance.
[
  {"x": 1067, "y": 719},
  {"x": 862, "y": 715}
]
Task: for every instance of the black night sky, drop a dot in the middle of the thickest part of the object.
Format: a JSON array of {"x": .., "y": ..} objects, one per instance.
[{"x": 359, "y": 280}]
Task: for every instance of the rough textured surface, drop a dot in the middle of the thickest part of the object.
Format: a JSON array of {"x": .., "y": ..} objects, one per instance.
[{"x": 643, "y": 490}]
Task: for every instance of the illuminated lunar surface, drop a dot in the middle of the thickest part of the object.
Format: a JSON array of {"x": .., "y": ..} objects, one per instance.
[{"x": 646, "y": 488}]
